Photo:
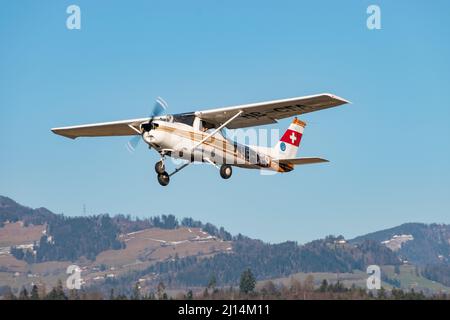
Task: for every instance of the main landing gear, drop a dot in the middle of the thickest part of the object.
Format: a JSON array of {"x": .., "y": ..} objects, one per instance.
[
  {"x": 163, "y": 176},
  {"x": 225, "y": 171}
]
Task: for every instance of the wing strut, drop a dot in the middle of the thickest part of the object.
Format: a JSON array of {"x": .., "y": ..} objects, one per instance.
[
  {"x": 218, "y": 129},
  {"x": 211, "y": 162},
  {"x": 134, "y": 129}
]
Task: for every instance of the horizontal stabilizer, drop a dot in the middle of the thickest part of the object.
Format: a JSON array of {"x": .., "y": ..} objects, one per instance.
[{"x": 299, "y": 161}]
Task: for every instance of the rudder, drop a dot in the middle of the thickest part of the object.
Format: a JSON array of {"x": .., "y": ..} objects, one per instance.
[{"x": 289, "y": 143}]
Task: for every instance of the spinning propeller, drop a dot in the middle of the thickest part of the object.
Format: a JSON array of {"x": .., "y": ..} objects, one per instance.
[{"x": 158, "y": 109}]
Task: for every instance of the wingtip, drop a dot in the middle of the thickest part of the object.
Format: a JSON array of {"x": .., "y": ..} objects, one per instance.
[
  {"x": 55, "y": 131},
  {"x": 333, "y": 96}
]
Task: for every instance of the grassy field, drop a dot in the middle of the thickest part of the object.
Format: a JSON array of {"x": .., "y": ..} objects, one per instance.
[
  {"x": 408, "y": 279},
  {"x": 13, "y": 234}
]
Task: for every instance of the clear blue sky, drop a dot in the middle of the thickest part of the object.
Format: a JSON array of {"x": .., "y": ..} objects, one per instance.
[{"x": 389, "y": 150}]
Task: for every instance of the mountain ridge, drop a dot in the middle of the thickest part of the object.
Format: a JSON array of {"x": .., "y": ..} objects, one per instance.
[
  {"x": 430, "y": 243},
  {"x": 222, "y": 255}
]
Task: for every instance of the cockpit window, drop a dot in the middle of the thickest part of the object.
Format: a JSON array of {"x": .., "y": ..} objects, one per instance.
[
  {"x": 184, "y": 118},
  {"x": 207, "y": 125}
]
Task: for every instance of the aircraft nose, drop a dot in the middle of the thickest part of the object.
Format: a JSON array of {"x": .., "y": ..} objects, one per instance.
[{"x": 151, "y": 137}]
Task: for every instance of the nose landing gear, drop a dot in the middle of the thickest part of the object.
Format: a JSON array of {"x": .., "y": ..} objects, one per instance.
[
  {"x": 163, "y": 178},
  {"x": 160, "y": 168}
]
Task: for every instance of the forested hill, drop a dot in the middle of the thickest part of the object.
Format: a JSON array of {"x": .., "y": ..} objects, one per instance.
[
  {"x": 88, "y": 237},
  {"x": 275, "y": 260},
  {"x": 12, "y": 211},
  {"x": 418, "y": 243},
  {"x": 70, "y": 238}
]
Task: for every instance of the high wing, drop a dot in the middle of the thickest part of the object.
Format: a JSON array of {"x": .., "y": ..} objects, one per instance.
[
  {"x": 254, "y": 114},
  {"x": 116, "y": 128},
  {"x": 268, "y": 112},
  {"x": 299, "y": 161}
]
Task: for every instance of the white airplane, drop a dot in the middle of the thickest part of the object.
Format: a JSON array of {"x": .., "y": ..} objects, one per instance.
[{"x": 199, "y": 136}]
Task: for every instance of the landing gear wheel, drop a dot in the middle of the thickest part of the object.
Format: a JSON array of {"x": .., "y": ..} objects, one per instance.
[
  {"x": 160, "y": 168},
  {"x": 163, "y": 179},
  {"x": 225, "y": 171}
]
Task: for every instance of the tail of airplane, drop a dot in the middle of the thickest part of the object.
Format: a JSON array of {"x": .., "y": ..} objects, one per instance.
[{"x": 289, "y": 143}]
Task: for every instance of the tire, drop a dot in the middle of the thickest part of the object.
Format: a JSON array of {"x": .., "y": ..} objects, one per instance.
[
  {"x": 160, "y": 168},
  {"x": 163, "y": 179},
  {"x": 226, "y": 171}
]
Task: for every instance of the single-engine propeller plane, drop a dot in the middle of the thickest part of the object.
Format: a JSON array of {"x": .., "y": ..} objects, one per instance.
[{"x": 198, "y": 136}]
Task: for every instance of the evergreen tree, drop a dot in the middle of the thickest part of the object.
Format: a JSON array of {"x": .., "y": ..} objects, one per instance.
[
  {"x": 161, "y": 290},
  {"x": 57, "y": 292},
  {"x": 136, "y": 295},
  {"x": 212, "y": 282},
  {"x": 323, "y": 286},
  {"x": 34, "y": 293},
  {"x": 248, "y": 282},
  {"x": 23, "y": 295},
  {"x": 382, "y": 293}
]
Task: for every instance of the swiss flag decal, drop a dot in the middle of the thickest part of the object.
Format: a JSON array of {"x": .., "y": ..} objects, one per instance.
[{"x": 292, "y": 137}]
